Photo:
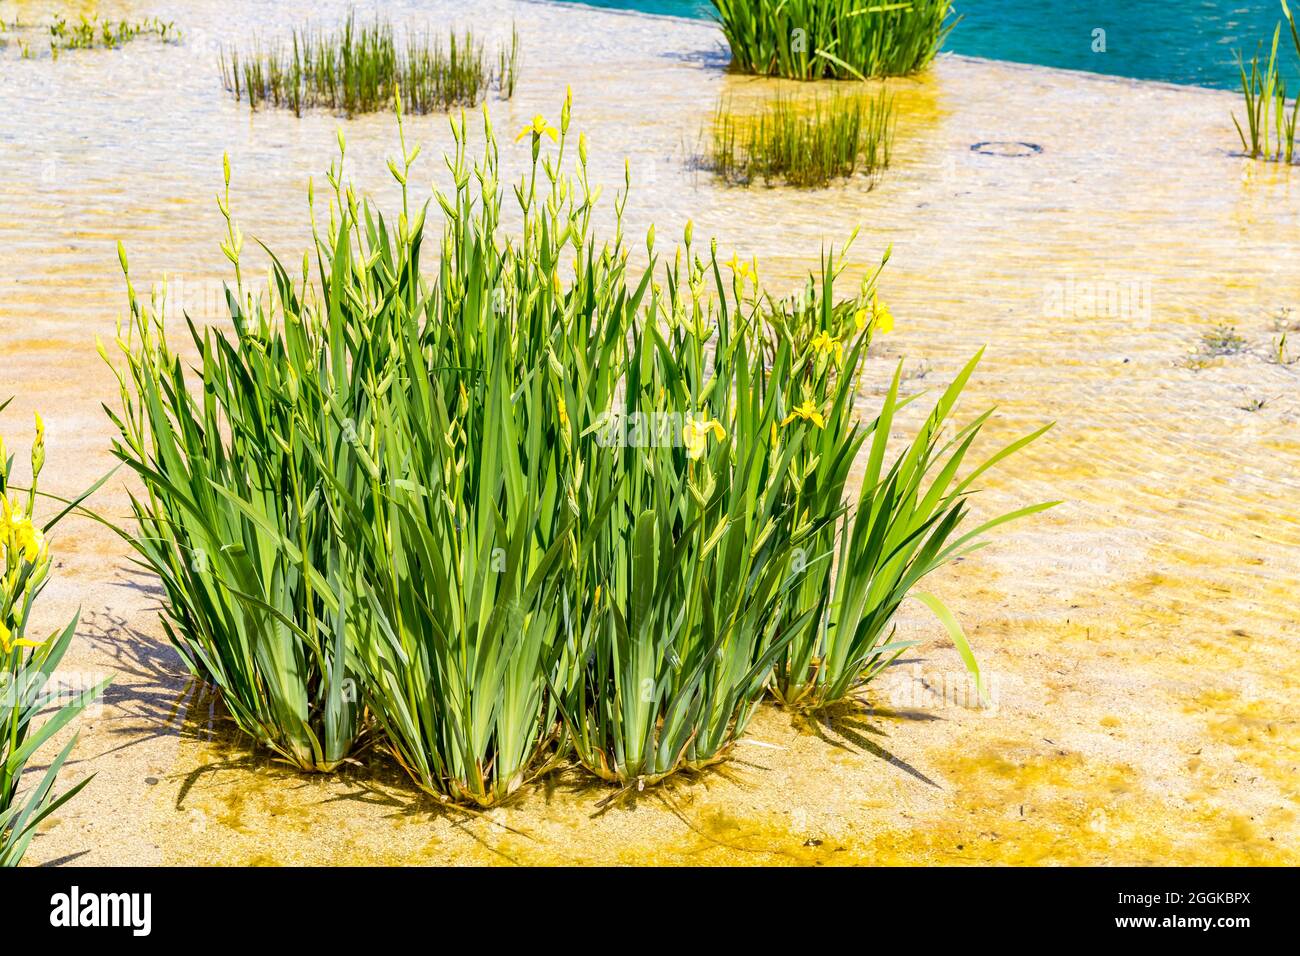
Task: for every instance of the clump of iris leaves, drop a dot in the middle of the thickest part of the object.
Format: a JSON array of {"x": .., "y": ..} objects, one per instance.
[{"x": 402, "y": 504}]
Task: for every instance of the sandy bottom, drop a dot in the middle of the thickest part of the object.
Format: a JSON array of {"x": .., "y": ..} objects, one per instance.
[{"x": 1140, "y": 639}]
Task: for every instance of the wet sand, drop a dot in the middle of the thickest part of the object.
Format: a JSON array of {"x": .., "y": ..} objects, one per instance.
[{"x": 1140, "y": 639}]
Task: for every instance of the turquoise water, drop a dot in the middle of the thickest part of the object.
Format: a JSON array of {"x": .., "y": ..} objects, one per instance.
[{"x": 1178, "y": 41}]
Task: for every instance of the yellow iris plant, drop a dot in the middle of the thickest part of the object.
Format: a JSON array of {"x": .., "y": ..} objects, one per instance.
[{"x": 20, "y": 542}]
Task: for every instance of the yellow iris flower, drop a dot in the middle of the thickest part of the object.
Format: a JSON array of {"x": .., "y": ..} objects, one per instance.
[
  {"x": 29, "y": 540},
  {"x": 742, "y": 269},
  {"x": 809, "y": 412},
  {"x": 7, "y": 642},
  {"x": 823, "y": 342},
  {"x": 696, "y": 431},
  {"x": 539, "y": 128},
  {"x": 881, "y": 319},
  {"x": 18, "y": 532},
  {"x": 884, "y": 319}
]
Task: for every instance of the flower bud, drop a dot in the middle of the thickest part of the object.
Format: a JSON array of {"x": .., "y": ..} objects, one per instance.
[{"x": 38, "y": 448}]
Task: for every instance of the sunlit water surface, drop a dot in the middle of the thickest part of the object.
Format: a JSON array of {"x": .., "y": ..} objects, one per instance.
[{"x": 1177, "y": 41}]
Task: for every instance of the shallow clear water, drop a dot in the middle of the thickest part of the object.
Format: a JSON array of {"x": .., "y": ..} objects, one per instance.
[{"x": 1178, "y": 41}]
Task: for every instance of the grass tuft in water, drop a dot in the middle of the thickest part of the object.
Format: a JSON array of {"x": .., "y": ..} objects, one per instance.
[
  {"x": 1269, "y": 133},
  {"x": 1222, "y": 340},
  {"x": 354, "y": 70},
  {"x": 802, "y": 144},
  {"x": 839, "y": 39},
  {"x": 90, "y": 32},
  {"x": 86, "y": 33}
]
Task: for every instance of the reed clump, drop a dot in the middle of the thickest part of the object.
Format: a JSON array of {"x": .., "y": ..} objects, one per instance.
[
  {"x": 534, "y": 504},
  {"x": 1270, "y": 132},
  {"x": 800, "y": 143},
  {"x": 27, "y": 663},
  {"x": 354, "y": 70},
  {"x": 835, "y": 39}
]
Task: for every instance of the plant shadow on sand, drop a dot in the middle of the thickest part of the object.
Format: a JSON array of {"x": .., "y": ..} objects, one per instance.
[
  {"x": 236, "y": 768},
  {"x": 149, "y": 674},
  {"x": 851, "y": 724},
  {"x": 224, "y": 764}
]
